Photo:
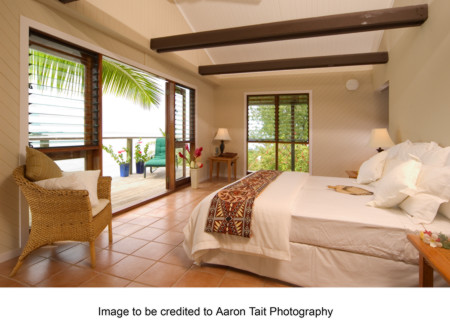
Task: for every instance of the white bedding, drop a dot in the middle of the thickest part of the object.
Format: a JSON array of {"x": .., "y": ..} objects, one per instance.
[
  {"x": 270, "y": 223},
  {"x": 326, "y": 218},
  {"x": 320, "y": 217}
]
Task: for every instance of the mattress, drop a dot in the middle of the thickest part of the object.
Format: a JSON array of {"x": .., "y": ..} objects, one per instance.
[{"x": 325, "y": 218}]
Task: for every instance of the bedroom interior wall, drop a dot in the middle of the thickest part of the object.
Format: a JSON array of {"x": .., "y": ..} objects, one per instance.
[
  {"x": 419, "y": 77},
  {"x": 10, "y": 91},
  {"x": 341, "y": 119}
]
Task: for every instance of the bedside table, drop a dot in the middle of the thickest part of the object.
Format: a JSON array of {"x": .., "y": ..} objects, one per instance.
[
  {"x": 431, "y": 258},
  {"x": 230, "y": 161},
  {"x": 352, "y": 173}
]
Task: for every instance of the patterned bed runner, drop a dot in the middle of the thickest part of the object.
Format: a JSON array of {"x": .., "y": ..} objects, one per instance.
[{"x": 231, "y": 208}]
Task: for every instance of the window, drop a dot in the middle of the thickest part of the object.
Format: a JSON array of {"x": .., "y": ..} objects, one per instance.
[
  {"x": 278, "y": 132},
  {"x": 64, "y": 89}
]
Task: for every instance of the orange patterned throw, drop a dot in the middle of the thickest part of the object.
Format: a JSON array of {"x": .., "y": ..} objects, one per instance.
[{"x": 231, "y": 208}]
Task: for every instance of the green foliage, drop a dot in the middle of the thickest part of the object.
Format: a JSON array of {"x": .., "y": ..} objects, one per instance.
[
  {"x": 119, "y": 156},
  {"x": 54, "y": 72},
  {"x": 142, "y": 155},
  {"x": 124, "y": 81},
  {"x": 261, "y": 156},
  {"x": 292, "y": 116},
  {"x": 118, "y": 79}
]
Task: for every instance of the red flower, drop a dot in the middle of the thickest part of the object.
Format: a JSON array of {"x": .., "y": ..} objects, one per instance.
[
  {"x": 198, "y": 152},
  {"x": 181, "y": 155},
  {"x": 201, "y": 165},
  {"x": 187, "y": 148}
]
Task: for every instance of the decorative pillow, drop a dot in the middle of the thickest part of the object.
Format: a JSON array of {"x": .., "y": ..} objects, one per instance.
[
  {"x": 422, "y": 207},
  {"x": 90, "y": 180},
  {"x": 394, "y": 186},
  {"x": 436, "y": 157},
  {"x": 38, "y": 166},
  {"x": 372, "y": 169},
  {"x": 71, "y": 182}
]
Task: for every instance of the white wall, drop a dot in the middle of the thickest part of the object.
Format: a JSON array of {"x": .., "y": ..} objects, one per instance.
[
  {"x": 340, "y": 123},
  {"x": 419, "y": 77}
]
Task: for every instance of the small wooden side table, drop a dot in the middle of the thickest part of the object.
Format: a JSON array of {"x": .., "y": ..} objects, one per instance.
[
  {"x": 353, "y": 174},
  {"x": 431, "y": 258},
  {"x": 230, "y": 162}
]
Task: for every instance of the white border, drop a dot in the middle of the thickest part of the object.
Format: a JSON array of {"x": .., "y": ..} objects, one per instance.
[
  {"x": 309, "y": 92},
  {"x": 25, "y": 25}
]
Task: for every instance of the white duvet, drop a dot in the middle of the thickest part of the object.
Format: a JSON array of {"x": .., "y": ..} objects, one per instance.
[
  {"x": 271, "y": 223},
  {"x": 300, "y": 208}
]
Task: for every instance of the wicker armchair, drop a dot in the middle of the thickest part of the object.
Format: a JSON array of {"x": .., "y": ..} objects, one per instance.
[{"x": 59, "y": 215}]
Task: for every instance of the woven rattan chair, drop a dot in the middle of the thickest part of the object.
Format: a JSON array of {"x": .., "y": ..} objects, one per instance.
[{"x": 59, "y": 215}]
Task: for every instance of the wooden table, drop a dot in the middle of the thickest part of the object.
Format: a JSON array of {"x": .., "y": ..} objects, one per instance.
[
  {"x": 229, "y": 161},
  {"x": 431, "y": 258}
]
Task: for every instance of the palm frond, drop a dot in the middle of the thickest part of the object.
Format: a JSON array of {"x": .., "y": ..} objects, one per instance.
[
  {"x": 55, "y": 73},
  {"x": 120, "y": 80},
  {"x": 128, "y": 82}
]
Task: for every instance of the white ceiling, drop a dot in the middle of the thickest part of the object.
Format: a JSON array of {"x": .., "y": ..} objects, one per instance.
[{"x": 203, "y": 15}]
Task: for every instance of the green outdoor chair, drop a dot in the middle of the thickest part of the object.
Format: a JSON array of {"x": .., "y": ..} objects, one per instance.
[{"x": 159, "y": 159}]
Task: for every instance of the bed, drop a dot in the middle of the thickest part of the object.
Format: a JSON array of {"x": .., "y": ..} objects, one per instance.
[{"x": 330, "y": 239}]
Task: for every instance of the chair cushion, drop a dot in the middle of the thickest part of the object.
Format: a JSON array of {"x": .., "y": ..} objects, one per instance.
[
  {"x": 39, "y": 166},
  {"x": 156, "y": 162},
  {"x": 99, "y": 207}
]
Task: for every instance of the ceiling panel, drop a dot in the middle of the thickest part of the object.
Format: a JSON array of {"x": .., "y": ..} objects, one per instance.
[{"x": 203, "y": 15}]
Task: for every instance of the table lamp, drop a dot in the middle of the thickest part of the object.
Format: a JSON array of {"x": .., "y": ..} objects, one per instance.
[
  {"x": 222, "y": 135},
  {"x": 379, "y": 138}
]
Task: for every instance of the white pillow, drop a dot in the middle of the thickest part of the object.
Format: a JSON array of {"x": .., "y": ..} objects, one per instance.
[
  {"x": 395, "y": 156},
  {"x": 434, "y": 180},
  {"x": 444, "y": 209},
  {"x": 90, "y": 180},
  {"x": 372, "y": 169},
  {"x": 436, "y": 157},
  {"x": 394, "y": 151},
  {"x": 416, "y": 149},
  {"x": 422, "y": 207},
  {"x": 68, "y": 182},
  {"x": 394, "y": 187}
]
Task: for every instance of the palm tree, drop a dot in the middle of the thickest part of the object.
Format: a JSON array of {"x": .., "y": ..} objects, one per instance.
[{"x": 118, "y": 79}]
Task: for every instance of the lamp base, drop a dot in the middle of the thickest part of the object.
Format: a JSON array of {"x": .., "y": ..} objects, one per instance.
[
  {"x": 222, "y": 147},
  {"x": 380, "y": 149}
]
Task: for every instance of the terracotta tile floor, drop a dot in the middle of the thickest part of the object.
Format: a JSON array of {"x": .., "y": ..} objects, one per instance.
[{"x": 146, "y": 252}]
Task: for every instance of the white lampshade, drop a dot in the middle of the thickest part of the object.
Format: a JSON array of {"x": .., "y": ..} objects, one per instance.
[
  {"x": 380, "y": 138},
  {"x": 222, "y": 134}
]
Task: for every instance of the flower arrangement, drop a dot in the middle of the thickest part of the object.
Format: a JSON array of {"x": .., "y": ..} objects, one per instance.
[
  {"x": 439, "y": 240},
  {"x": 139, "y": 154},
  {"x": 192, "y": 158},
  {"x": 119, "y": 157}
]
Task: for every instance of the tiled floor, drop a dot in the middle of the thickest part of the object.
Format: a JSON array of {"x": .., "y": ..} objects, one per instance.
[{"x": 146, "y": 252}]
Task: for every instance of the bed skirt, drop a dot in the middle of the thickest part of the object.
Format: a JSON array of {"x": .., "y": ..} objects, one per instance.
[{"x": 322, "y": 267}]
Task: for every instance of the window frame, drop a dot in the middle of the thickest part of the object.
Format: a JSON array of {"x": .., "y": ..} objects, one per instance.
[
  {"x": 276, "y": 141},
  {"x": 92, "y": 153}
]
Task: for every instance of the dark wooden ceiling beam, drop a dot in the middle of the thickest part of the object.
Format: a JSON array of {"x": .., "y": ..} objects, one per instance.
[
  {"x": 297, "y": 63},
  {"x": 301, "y": 28},
  {"x": 67, "y": 1}
]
